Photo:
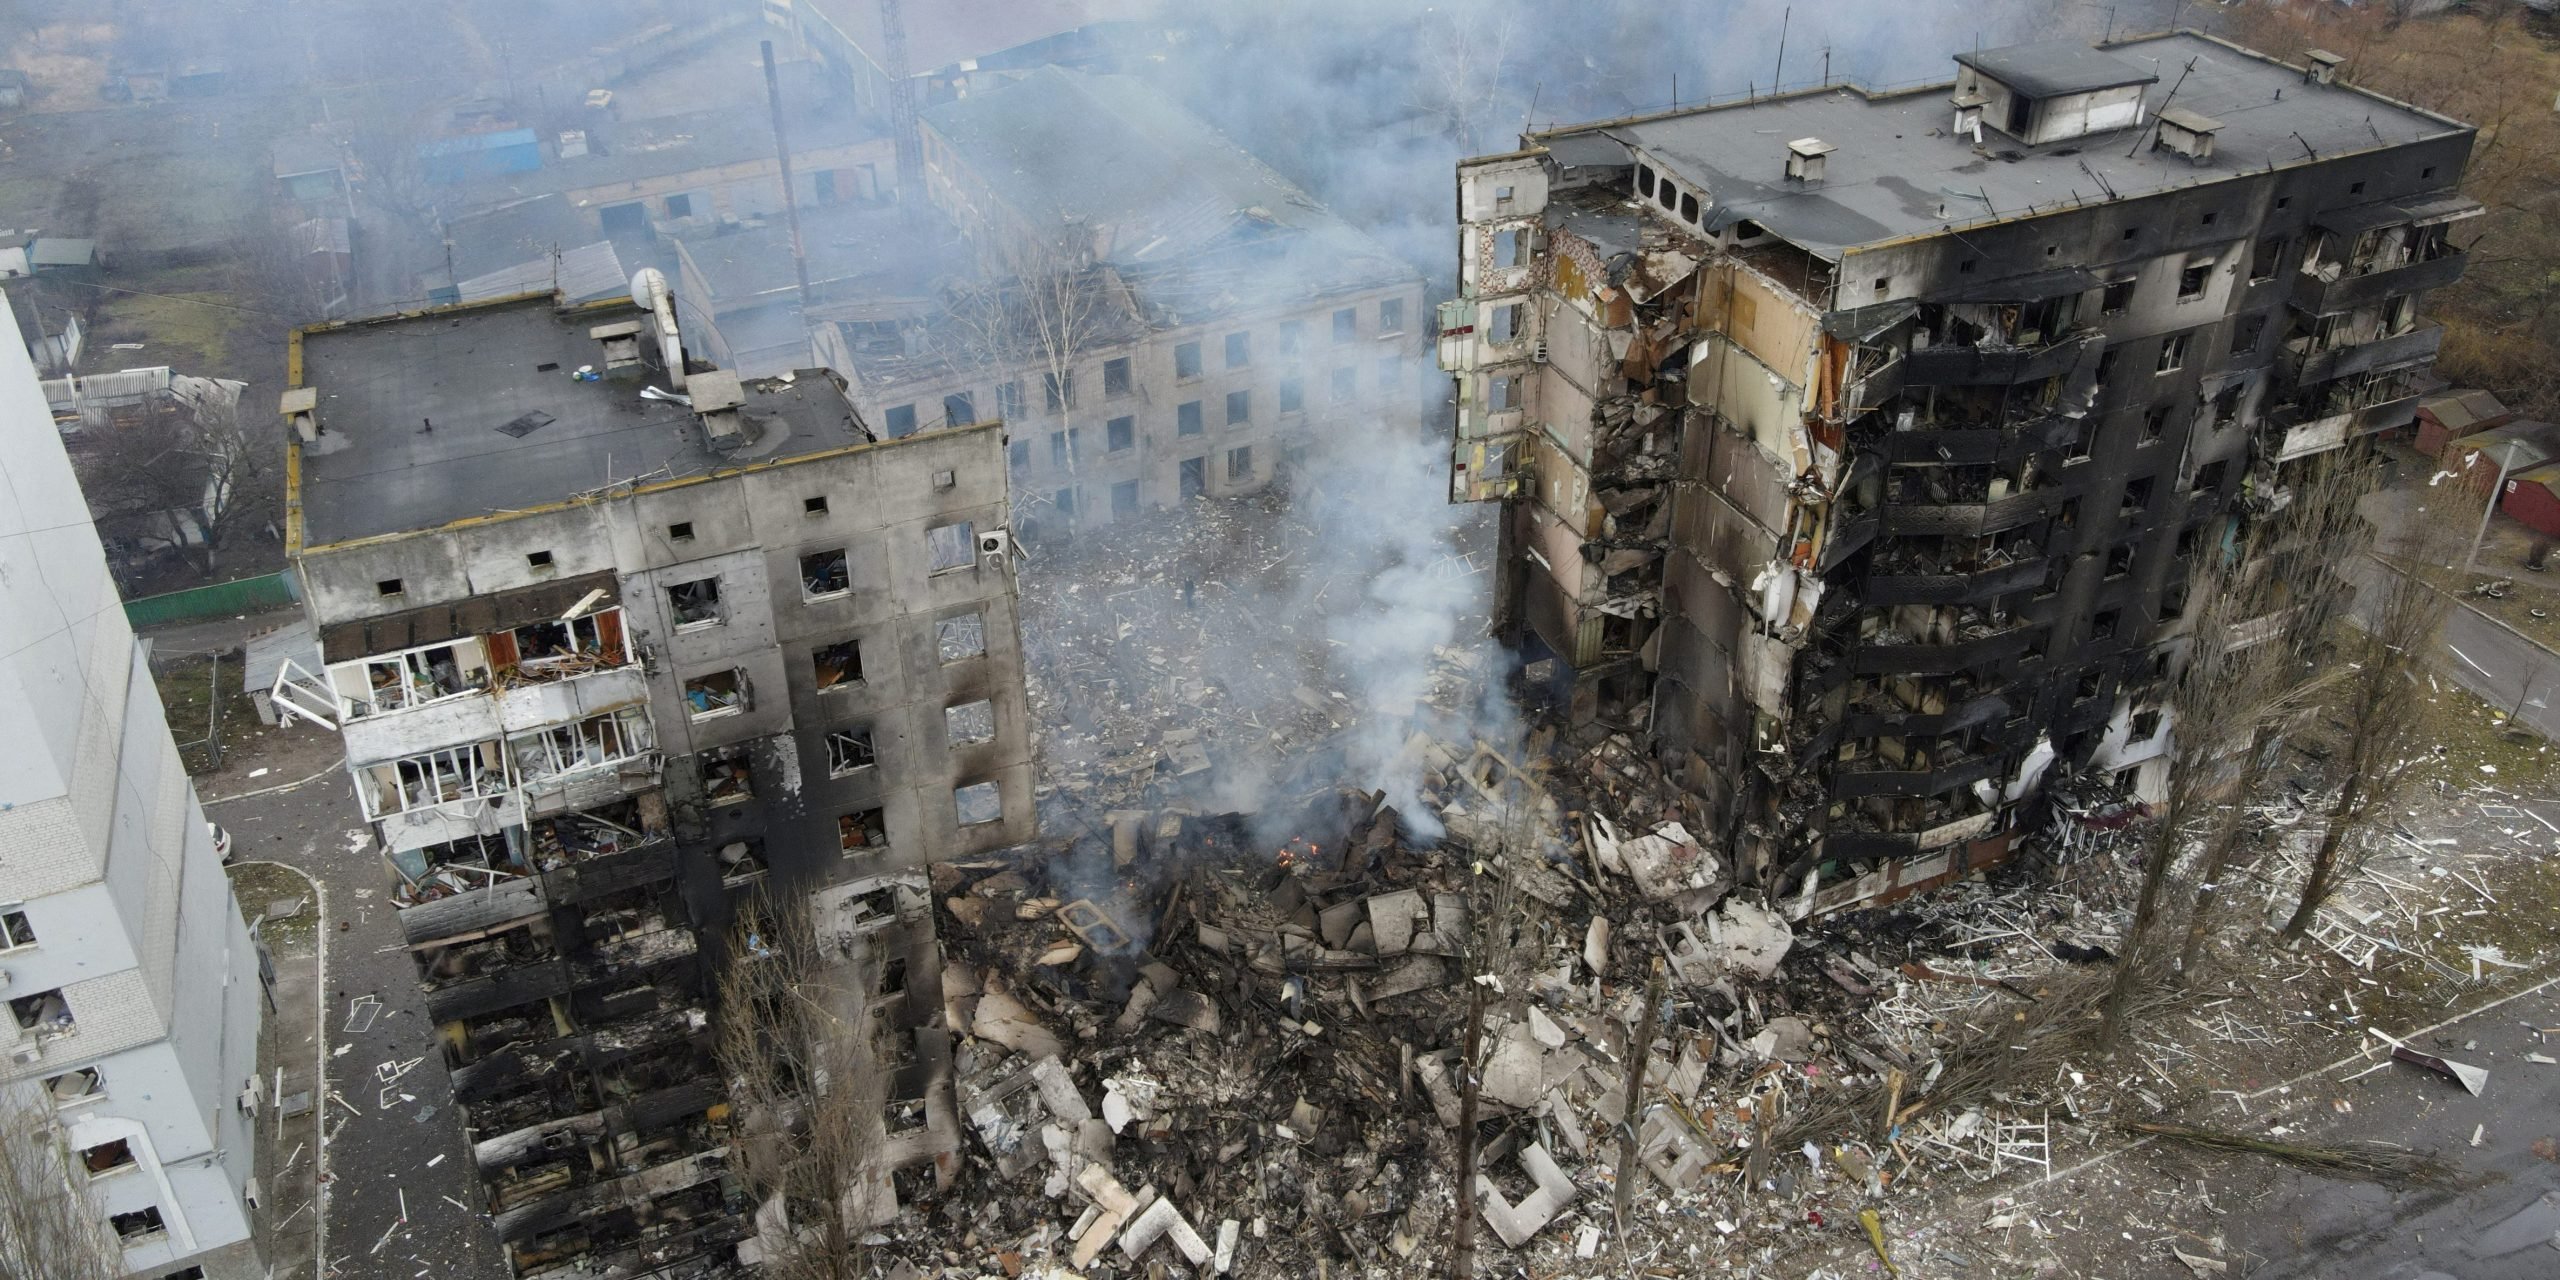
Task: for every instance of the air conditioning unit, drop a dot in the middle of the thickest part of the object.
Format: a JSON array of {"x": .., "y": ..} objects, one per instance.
[
  {"x": 995, "y": 542},
  {"x": 1538, "y": 352},
  {"x": 26, "y": 1056}
]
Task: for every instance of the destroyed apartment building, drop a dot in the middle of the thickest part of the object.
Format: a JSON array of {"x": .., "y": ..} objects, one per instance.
[
  {"x": 624, "y": 650},
  {"x": 1157, "y": 316},
  {"x": 1858, "y": 448}
]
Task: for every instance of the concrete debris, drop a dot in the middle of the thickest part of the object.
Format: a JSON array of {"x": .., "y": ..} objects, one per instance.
[{"x": 1515, "y": 1223}]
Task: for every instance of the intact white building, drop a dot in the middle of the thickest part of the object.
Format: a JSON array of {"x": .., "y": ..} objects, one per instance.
[{"x": 130, "y": 982}]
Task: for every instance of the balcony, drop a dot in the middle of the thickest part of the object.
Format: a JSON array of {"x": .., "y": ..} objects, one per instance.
[
  {"x": 2305, "y": 367},
  {"x": 1953, "y": 365},
  {"x": 1860, "y": 779},
  {"x": 1973, "y": 519},
  {"x": 2322, "y": 297},
  {"x": 1974, "y": 653},
  {"x": 1976, "y": 446},
  {"x": 1888, "y": 718},
  {"x": 1914, "y": 585},
  {"x": 2319, "y": 435}
]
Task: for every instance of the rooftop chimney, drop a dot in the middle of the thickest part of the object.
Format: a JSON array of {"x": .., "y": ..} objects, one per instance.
[
  {"x": 1805, "y": 159},
  {"x": 717, "y": 397},
  {"x": 2322, "y": 66}
]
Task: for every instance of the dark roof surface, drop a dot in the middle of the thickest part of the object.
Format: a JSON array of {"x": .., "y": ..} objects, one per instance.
[
  {"x": 473, "y": 370},
  {"x": 2055, "y": 67},
  {"x": 1899, "y": 171}
]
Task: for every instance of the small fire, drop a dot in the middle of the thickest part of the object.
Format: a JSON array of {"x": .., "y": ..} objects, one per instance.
[{"x": 1299, "y": 849}]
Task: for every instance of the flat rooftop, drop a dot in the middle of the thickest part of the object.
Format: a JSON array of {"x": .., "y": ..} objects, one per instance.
[
  {"x": 1898, "y": 171},
  {"x": 510, "y": 434}
]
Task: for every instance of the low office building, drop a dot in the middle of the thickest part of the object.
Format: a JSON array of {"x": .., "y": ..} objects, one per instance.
[
  {"x": 1860, "y": 447},
  {"x": 615, "y": 670},
  {"x": 132, "y": 982},
  {"x": 1170, "y": 318}
]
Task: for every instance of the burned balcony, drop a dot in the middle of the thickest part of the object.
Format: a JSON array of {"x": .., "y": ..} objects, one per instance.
[
  {"x": 1920, "y": 706},
  {"x": 1902, "y": 577},
  {"x": 2324, "y": 294},
  {"x": 1894, "y": 769},
  {"x": 527, "y": 1165},
  {"x": 588, "y": 855},
  {"x": 2313, "y": 359},
  {"x": 2002, "y": 341},
  {"x": 1950, "y": 365},
  {"x": 2330, "y": 414},
  {"x": 1968, "y": 501},
  {"x": 1972, "y": 645}
]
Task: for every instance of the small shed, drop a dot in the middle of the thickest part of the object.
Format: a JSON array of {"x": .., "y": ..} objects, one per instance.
[
  {"x": 56, "y": 253},
  {"x": 2455, "y": 414},
  {"x": 307, "y": 167},
  {"x": 481, "y": 155},
  {"x": 2518, "y": 447}
]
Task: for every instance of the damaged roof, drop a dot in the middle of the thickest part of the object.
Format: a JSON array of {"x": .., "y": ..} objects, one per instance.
[
  {"x": 512, "y": 428},
  {"x": 1898, "y": 171}
]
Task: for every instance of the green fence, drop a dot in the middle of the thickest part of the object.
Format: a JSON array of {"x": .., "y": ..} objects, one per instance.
[{"x": 221, "y": 599}]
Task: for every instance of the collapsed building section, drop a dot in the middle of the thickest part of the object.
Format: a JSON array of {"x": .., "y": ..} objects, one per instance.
[
  {"x": 625, "y": 650},
  {"x": 1858, "y": 449}
]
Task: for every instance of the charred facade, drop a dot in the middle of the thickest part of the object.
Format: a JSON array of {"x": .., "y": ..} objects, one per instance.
[
  {"x": 1867, "y": 472},
  {"x": 615, "y": 669}
]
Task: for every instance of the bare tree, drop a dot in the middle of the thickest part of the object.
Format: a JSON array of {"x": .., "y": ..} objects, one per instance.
[
  {"x": 794, "y": 1043},
  {"x": 49, "y": 1230},
  {"x": 177, "y": 472},
  {"x": 385, "y": 140},
  {"x": 2377, "y": 705},
  {"x": 2299, "y": 585},
  {"x": 1031, "y": 329},
  {"x": 1464, "y": 54}
]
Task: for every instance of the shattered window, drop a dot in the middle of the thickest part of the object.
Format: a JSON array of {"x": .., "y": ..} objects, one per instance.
[
  {"x": 970, "y": 722},
  {"x": 862, "y": 829},
  {"x": 719, "y": 693},
  {"x": 901, "y": 420},
  {"x": 953, "y": 546},
  {"x": 823, "y": 574},
  {"x": 2118, "y": 297},
  {"x": 1502, "y": 392},
  {"x": 1293, "y": 337},
  {"x": 2270, "y": 256},
  {"x": 2192, "y": 280},
  {"x": 1239, "y": 407},
  {"x": 1060, "y": 390},
  {"x": 695, "y": 603},
  {"x": 961, "y": 637},
  {"x": 2245, "y": 333},
  {"x": 1186, "y": 360},
  {"x": 1346, "y": 324},
  {"x": 727, "y": 778},
  {"x": 1239, "y": 350},
  {"x": 977, "y": 804},
  {"x": 1240, "y": 463},
  {"x": 2173, "y": 353},
  {"x": 1390, "y": 316},
  {"x": 1505, "y": 326},
  {"x": 1115, "y": 376},
  {"x": 837, "y": 666},
  {"x": 1120, "y": 434},
  {"x": 958, "y": 409},
  {"x": 1186, "y": 418},
  {"x": 849, "y": 750}
]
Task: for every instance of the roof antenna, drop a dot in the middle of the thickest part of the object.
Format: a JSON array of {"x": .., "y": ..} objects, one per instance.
[
  {"x": 1777, "y": 82},
  {"x": 2164, "y": 105}
]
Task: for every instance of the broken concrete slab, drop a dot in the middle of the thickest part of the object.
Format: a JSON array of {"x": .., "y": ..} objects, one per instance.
[
  {"x": 1160, "y": 1221},
  {"x": 1749, "y": 940},
  {"x": 1516, "y": 1074},
  {"x": 1394, "y": 919},
  {"x": 1516, "y": 1223},
  {"x": 1786, "y": 1039}
]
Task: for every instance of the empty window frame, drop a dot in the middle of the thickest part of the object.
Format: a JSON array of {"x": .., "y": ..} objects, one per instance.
[
  {"x": 836, "y": 666},
  {"x": 593, "y": 743},
  {"x": 970, "y": 722},
  {"x": 719, "y": 693},
  {"x": 2245, "y": 333},
  {"x": 1120, "y": 435},
  {"x": 1020, "y": 453},
  {"x": 977, "y": 804},
  {"x": 1506, "y": 322},
  {"x": 1239, "y": 408},
  {"x": 862, "y": 829},
  {"x": 1346, "y": 384},
  {"x": 1293, "y": 337},
  {"x": 397, "y": 680},
  {"x": 960, "y": 637},
  {"x": 1186, "y": 418},
  {"x": 83, "y": 1085},
  {"x": 1064, "y": 500},
  {"x": 1239, "y": 350},
  {"x": 1501, "y": 392},
  {"x": 1186, "y": 360},
  {"x": 2103, "y": 626},
  {"x": 2173, "y": 353},
  {"x": 1390, "y": 316},
  {"x": 1124, "y": 499},
  {"x": 959, "y": 409},
  {"x": 814, "y": 505},
  {"x": 538, "y": 561},
  {"x": 1293, "y": 395},
  {"x": 139, "y": 1225},
  {"x": 2155, "y": 423},
  {"x": 901, "y": 420},
  {"x": 1059, "y": 390},
  {"x": 1115, "y": 376},
  {"x": 2118, "y": 297},
  {"x": 2268, "y": 259},
  {"x": 107, "y": 1157},
  {"x": 2137, "y": 497},
  {"x": 824, "y": 575},
  {"x": 727, "y": 776},
  {"x": 1346, "y": 324},
  {"x": 43, "y": 1014},
  {"x": 849, "y": 751},
  {"x": 15, "y": 932},
  {"x": 695, "y": 603},
  {"x": 2193, "y": 278},
  {"x": 680, "y": 531},
  {"x": 1506, "y": 249},
  {"x": 1009, "y": 400},
  {"x": 951, "y": 546},
  {"x": 1240, "y": 463},
  {"x": 1059, "y": 449}
]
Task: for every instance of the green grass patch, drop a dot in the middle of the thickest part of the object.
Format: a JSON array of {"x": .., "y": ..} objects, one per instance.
[
  {"x": 187, "y": 693},
  {"x": 259, "y": 885}
]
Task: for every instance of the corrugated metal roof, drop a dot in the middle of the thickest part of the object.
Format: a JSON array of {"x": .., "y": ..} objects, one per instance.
[{"x": 52, "y": 251}]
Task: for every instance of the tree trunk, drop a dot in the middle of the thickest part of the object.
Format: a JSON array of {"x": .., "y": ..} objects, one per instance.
[
  {"x": 1639, "y": 1048},
  {"x": 1462, "y": 1234},
  {"x": 2315, "y": 886},
  {"x": 2146, "y": 911},
  {"x": 2218, "y": 849}
]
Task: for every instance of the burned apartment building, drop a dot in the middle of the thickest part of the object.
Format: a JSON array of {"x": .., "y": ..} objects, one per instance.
[
  {"x": 624, "y": 649},
  {"x": 1161, "y": 315},
  {"x": 1859, "y": 448}
]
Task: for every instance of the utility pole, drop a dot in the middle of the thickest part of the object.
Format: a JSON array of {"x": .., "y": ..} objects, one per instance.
[
  {"x": 790, "y": 195},
  {"x": 2491, "y": 507}
]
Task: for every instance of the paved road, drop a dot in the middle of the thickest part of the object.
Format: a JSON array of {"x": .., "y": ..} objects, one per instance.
[
  {"x": 2491, "y": 661},
  {"x": 2497, "y": 1223},
  {"x": 384, "y": 1160}
]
